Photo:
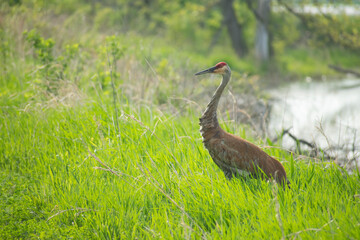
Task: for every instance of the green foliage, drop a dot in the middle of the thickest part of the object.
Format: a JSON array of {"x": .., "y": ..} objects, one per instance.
[
  {"x": 4, "y": 49},
  {"x": 71, "y": 52},
  {"x": 43, "y": 48},
  {"x": 115, "y": 50},
  {"x": 284, "y": 35},
  {"x": 324, "y": 29},
  {"x": 106, "y": 18},
  {"x": 342, "y": 30},
  {"x": 194, "y": 27},
  {"x": 183, "y": 25}
]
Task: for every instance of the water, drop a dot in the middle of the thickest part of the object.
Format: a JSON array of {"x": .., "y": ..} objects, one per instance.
[
  {"x": 306, "y": 107},
  {"x": 334, "y": 9}
]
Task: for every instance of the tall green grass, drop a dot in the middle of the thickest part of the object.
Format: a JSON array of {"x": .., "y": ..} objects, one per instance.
[{"x": 67, "y": 173}]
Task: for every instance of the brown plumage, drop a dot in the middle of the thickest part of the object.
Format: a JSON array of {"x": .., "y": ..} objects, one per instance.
[{"x": 234, "y": 155}]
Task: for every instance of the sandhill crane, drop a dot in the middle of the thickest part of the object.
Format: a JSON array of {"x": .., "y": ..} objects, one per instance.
[{"x": 233, "y": 155}]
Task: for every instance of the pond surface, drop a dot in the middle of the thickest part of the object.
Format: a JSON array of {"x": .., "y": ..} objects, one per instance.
[{"x": 307, "y": 106}]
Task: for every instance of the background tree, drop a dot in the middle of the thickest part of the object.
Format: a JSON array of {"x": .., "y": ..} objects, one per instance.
[
  {"x": 329, "y": 28},
  {"x": 263, "y": 36},
  {"x": 235, "y": 29}
]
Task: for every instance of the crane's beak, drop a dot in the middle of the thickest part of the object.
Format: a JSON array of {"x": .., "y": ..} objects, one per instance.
[{"x": 209, "y": 70}]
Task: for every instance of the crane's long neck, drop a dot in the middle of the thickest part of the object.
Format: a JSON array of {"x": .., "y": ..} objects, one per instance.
[{"x": 208, "y": 120}]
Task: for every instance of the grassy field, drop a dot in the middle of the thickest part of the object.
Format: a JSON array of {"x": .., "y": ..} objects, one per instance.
[
  {"x": 71, "y": 172},
  {"x": 75, "y": 164}
]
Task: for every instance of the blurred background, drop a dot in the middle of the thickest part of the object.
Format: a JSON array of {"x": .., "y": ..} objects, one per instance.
[{"x": 295, "y": 64}]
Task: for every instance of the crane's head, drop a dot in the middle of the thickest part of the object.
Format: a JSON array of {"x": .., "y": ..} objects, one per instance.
[{"x": 220, "y": 68}]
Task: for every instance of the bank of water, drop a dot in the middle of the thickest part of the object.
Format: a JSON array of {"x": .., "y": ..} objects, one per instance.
[{"x": 308, "y": 106}]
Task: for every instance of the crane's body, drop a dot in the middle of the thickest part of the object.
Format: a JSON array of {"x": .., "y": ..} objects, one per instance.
[{"x": 233, "y": 155}]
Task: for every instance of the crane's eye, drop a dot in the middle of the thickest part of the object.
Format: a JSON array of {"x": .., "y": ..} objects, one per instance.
[{"x": 220, "y": 70}]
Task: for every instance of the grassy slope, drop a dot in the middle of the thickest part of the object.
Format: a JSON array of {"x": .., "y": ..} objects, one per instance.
[{"x": 168, "y": 187}]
